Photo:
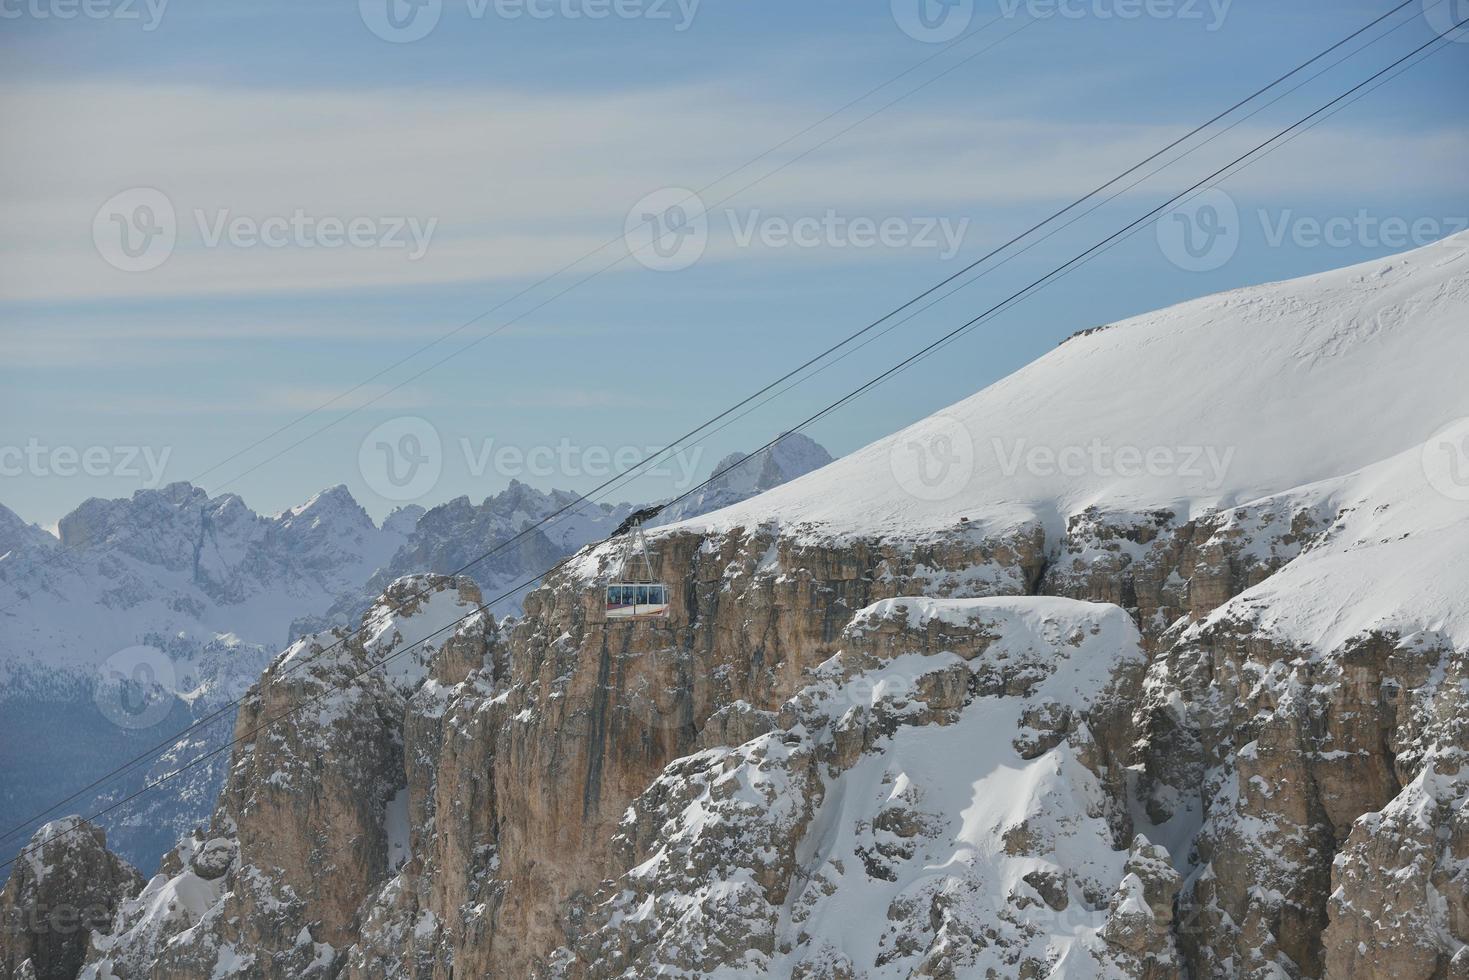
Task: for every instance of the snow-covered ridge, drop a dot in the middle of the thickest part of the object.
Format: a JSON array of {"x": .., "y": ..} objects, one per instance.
[
  {"x": 1395, "y": 561},
  {"x": 1209, "y": 404}
]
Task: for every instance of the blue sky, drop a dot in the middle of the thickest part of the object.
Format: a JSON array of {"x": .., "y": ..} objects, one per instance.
[{"x": 479, "y": 161}]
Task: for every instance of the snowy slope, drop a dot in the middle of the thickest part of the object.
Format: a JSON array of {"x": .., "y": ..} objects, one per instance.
[
  {"x": 16, "y": 534},
  {"x": 1294, "y": 490},
  {"x": 1074, "y": 648},
  {"x": 1237, "y": 396},
  {"x": 1396, "y": 560}
]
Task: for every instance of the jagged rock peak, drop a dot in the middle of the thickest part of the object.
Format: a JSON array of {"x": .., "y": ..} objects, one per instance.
[
  {"x": 333, "y": 505},
  {"x": 65, "y": 884}
]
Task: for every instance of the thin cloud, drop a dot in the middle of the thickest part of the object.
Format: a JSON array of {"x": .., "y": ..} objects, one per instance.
[{"x": 507, "y": 178}]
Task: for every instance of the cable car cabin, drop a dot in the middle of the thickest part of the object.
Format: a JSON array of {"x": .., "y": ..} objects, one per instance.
[
  {"x": 636, "y": 600},
  {"x": 638, "y": 594}
]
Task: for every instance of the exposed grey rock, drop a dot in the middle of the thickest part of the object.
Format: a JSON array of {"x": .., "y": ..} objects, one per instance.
[{"x": 65, "y": 884}]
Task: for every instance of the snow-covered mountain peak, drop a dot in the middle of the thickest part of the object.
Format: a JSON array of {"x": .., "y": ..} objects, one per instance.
[
  {"x": 196, "y": 592},
  {"x": 15, "y": 533},
  {"x": 335, "y": 505},
  {"x": 735, "y": 478},
  {"x": 98, "y": 522},
  {"x": 798, "y": 453}
]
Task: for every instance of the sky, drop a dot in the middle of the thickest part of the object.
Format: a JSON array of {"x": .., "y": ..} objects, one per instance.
[{"x": 425, "y": 247}]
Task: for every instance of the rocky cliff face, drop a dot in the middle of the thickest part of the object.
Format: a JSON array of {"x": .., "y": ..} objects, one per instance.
[
  {"x": 1146, "y": 729},
  {"x": 990, "y": 786},
  {"x": 315, "y": 812},
  {"x": 66, "y": 885},
  {"x": 454, "y": 536}
]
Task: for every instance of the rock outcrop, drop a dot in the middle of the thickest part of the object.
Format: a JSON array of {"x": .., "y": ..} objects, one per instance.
[
  {"x": 725, "y": 789},
  {"x": 756, "y": 859},
  {"x": 65, "y": 883},
  {"x": 1106, "y": 729},
  {"x": 314, "y": 816}
]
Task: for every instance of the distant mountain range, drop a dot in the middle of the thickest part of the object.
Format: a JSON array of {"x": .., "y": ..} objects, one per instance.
[
  {"x": 142, "y": 613},
  {"x": 1150, "y": 660}
]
